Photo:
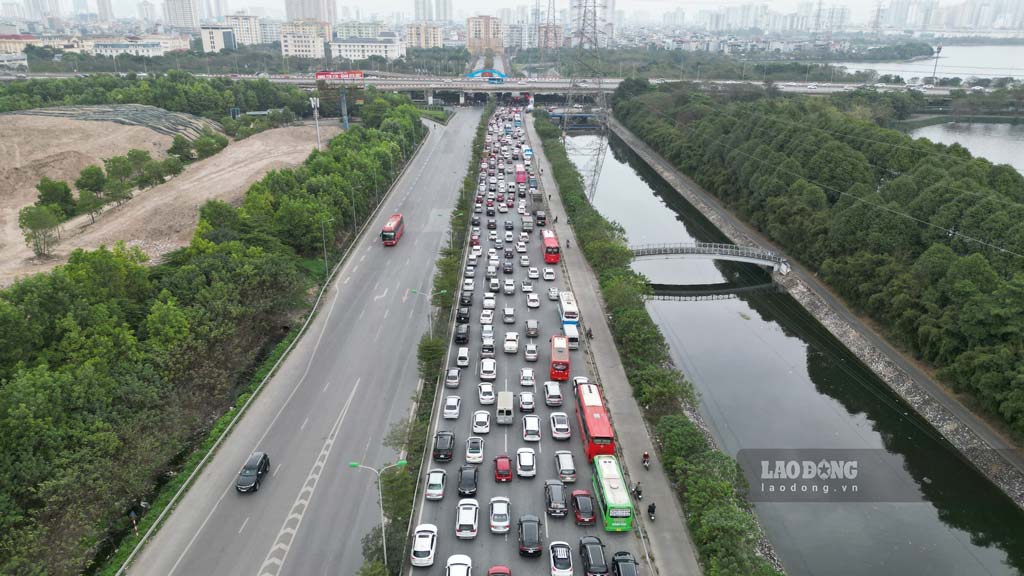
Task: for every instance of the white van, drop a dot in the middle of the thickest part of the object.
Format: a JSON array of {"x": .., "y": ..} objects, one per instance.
[
  {"x": 572, "y": 334},
  {"x": 462, "y": 358},
  {"x": 504, "y": 414}
]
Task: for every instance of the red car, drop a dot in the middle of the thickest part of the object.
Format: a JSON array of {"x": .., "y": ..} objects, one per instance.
[
  {"x": 582, "y": 507},
  {"x": 490, "y": 203},
  {"x": 474, "y": 240},
  {"x": 499, "y": 571},
  {"x": 501, "y": 197},
  {"x": 509, "y": 203},
  {"x": 503, "y": 468}
]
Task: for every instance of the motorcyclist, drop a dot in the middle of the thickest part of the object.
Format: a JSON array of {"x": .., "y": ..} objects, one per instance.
[
  {"x": 650, "y": 509},
  {"x": 638, "y": 490},
  {"x": 646, "y": 458}
]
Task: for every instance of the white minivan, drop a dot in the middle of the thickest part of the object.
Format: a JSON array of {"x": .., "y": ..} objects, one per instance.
[
  {"x": 572, "y": 334},
  {"x": 504, "y": 414}
]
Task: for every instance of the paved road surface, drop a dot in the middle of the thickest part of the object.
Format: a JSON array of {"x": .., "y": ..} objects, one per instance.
[{"x": 350, "y": 378}]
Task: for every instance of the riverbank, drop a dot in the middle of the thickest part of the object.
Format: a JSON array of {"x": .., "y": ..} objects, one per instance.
[
  {"x": 971, "y": 436},
  {"x": 924, "y": 120}
]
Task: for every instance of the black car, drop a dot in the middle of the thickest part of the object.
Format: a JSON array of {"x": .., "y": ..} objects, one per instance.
[
  {"x": 509, "y": 253},
  {"x": 509, "y": 225},
  {"x": 462, "y": 316},
  {"x": 467, "y": 480},
  {"x": 256, "y": 467},
  {"x": 490, "y": 210},
  {"x": 554, "y": 498},
  {"x": 462, "y": 334},
  {"x": 507, "y": 267},
  {"x": 444, "y": 446},
  {"x": 592, "y": 556},
  {"x": 466, "y": 298},
  {"x": 529, "y": 536},
  {"x": 623, "y": 564},
  {"x": 541, "y": 217},
  {"x": 492, "y": 224},
  {"x": 475, "y": 221}
]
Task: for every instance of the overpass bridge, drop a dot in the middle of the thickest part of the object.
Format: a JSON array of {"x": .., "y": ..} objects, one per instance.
[{"x": 714, "y": 251}]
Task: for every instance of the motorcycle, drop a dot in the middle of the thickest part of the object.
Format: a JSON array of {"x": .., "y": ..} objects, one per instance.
[
  {"x": 650, "y": 513},
  {"x": 647, "y": 463},
  {"x": 638, "y": 492}
]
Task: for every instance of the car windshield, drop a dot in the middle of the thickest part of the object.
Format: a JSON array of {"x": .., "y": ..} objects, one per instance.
[
  {"x": 248, "y": 472},
  {"x": 585, "y": 505}
]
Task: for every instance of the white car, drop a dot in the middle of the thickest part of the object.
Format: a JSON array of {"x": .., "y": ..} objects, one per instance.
[
  {"x": 474, "y": 450},
  {"x": 511, "y": 342},
  {"x": 521, "y": 209},
  {"x": 501, "y": 514},
  {"x": 486, "y": 332},
  {"x": 579, "y": 381},
  {"x": 526, "y": 377},
  {"x": 453, "y": 377},
  {"x": 526, "y": 402},
  {"x": 487, "y": 316},
  {"x": 530, "y": 352},
  {"x": 481, "y": 422},
  {"x": 532, "y": 301},
  {"x": 502, "y": 209},
  {"x": 486, "y": 393},
  {"x": 488, "y": 369},
  {"x": 549, "y": 274},
  {"x": 467, "y": 518},
  {"x": 526, "y": 463},
  {"x": 435, "y": 484},
  {"x": 553, "y": 293},
  {"x": 452, "y": 407},
  {"x": 424, "y": 543},
  {"x": 560, "y": 555},
  {"x": 560, "y": 426},
  {"x": 521, "y": 247},
  {"x": 492, "y": 253},
  {"x": 477, "y": 251},
  {"x": 524, "y": 260},
  {"x": 526, "y": 286},
  {"x": 459, "y": 565},
  {"x": 468, "y": 284},
  {"x": 492, "y": 236},
  {"x": 534, "y": 273},
  {"x": 531, "y": 428},
  {"x": 508, "y": 287},
  {"x": 490, "y": 301}
]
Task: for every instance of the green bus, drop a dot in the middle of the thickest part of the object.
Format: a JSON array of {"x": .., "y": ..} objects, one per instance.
[{"x": 612, "y": 494}]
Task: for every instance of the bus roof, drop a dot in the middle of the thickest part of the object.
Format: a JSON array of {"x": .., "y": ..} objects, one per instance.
[
  {"x": 393, "y": 221},
  {"x": 610, "y": 476},
  {"x": 560, "y": 344},
  {"x": 594, "y": 411}
]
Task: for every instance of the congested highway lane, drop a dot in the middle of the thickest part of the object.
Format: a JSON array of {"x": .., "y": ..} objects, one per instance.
[{"x": 347, "y": 381}]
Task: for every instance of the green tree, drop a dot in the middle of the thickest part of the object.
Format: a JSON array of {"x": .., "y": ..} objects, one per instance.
[
  {"x": 39, "y": 225},
  {"x": 56, "y": 193},
  {"x": 138, "y": 159},
  {"x": 205, "y": 146},
  {"x": 181, "y": 147},
  {"x": 151, "y": 174},
  {"x": 91, "y": 178},
  {"x": 89, "y": 203},
  {"x": 119, "y": 169},
  {"x": 172, "y": 166}
]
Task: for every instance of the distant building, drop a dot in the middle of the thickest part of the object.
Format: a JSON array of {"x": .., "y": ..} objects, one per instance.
[
  {"x": 319, "y": 28},
  {"x": 483, "y": 33},
  {"x": 13, "y": 60},
  {"x": 386, "y": 44},
  {"x": 16, "y": 43},
  {"x": 323, "y": 10},
  {"x": 355, "y": 28},
  {"x": 517, "y": 36},
  {"x": 424, "y": 35},
  {"x": 12, "y": 10},
  {"x": 443, "y": 10},
  {"x": 246, "y": 27},
  {"x": 551, "y": 36},
  {"x": 270, "y": 30},
  {"x": 106, "y": 10},
  {"x": 147, "y": 11},
  {"x": 182, "y": 14},
  {"x": 217, "y": 37},
  {"x": 302, "y": 45},
  {"x": 169, "y": 42},
  {"x": 134, "y": 48},
  {"x": 423, "y": 10}
]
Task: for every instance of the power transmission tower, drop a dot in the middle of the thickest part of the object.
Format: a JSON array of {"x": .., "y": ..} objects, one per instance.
[
  {"x": 586, "y": 90},
  {"x": 878, "y": 18},
  {"x": 817, "y": 19}
]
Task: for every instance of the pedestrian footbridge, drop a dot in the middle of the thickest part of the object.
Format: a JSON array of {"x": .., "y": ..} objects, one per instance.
[
  {"x": 695, "y": 293},
  {"x": 714, "y": 251}
]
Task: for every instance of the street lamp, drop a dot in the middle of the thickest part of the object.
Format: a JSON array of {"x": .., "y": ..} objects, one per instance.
[
  {"x": 430, "y": 315},
  {"x": 323, "y": 235},
  {"x": 315, "y": 103},
  {"x": 380, "y": 496}
]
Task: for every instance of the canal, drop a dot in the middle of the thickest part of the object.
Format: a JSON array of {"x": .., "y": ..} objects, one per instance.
[{"x": 770, "y": 376}]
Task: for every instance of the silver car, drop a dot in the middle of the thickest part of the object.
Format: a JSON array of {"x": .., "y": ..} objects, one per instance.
[
  {"x": 501, "y": 514},
  {"x": 435, "y": 484}
]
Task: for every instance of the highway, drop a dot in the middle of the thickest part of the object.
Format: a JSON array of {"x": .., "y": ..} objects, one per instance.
[
  {"x": 526, "y": 494},
  {"x": 335, "y": 397}
]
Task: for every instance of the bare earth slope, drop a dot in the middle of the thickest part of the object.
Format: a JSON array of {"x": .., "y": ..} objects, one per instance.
[{"x": 162, "y": 219}]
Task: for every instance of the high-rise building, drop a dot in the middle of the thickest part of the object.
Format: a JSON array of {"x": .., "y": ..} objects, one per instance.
[
  {"x": 424, "y": 35},
  {"x": 106, "y": 10},
  {"x": 216, "y": 38},
  {"x": 213, "y": 9},
  {"x": 483, "y": 33},
  {"x": 12, "y": 10},
  {"x": 80, "y": 7},
  {"x": 443, "y": 10},
  {"x": 246, "y": 28},
  {"x": 182, "y": 14},
  {"x": 551, "y": 36},
  {"x": 147, "y": 11},
  {"x": 387, "y": 45},
  {"x": 302, "y": 45},
  {"x": 357, "y": 29},
  {"x": 308, "y": 26},
  {"x": 270, "y": 30},
  {"x": 423, "y": 10},
  {"x": 325, "y": 10}
]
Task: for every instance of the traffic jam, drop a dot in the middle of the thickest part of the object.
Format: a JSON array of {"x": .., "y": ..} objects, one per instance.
[{"x": 523, "y": 475}]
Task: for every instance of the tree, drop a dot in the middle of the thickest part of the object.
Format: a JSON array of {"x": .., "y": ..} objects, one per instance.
[
  {"x": 151, "y": 174},
  {"x": 172, "y": 166},
  {"x": 89, "y": 203},
  {"x": 39, "y": 225},
  {"x": 56, "y": 193},
  {"x": 138, "y": 158},
  {"x": 205, "y": 146},
  {"x": 181, "y": 147},
  {"x": 118, "y": 168},
  {"x": 91, "y": 178}
]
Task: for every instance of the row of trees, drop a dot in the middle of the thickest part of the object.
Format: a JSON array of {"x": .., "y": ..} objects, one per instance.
[
  {"x": 923, "y": 237},
  {"x": 709, "y": 482},
  {"x": 110, "y": 368}
]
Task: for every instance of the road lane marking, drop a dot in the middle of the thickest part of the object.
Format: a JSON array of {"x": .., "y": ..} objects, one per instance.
[
  {"x": 345, "y": 281},
  {"x": 377, "y": 335},
  {"x": 386, "y": 312},
  {"x": 243, "y": 525},
  {"x": 304, "y": 422},
  {"x": 356, "y": 268},
  {"x": 405, "y": 296},
  {"x": 363, "y": 257},
  {"x": 375, "y": 298},
  {"x": 275, "y": 559}
]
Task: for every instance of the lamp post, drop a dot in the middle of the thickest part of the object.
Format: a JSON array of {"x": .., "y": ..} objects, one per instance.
[
  {"x": 314, "y": 101},
  {"x": 380, "y": 496},
  {"x": 935, "y": 81},
  {"x": 323, "y": 235},
  {"x": 430, "y": 314}
]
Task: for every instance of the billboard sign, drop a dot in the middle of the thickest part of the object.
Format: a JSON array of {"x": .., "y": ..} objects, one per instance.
[{"x": 342, "y": 75}]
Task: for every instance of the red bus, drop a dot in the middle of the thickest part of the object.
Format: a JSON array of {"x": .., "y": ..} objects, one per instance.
[
  {"x": 559, "y": 358},
  {"x": 551, "y": 250},
  {"x": 595, "y": 428},
  {"x": 393, "y": 230},
  {"x": 520, "y": 174}
]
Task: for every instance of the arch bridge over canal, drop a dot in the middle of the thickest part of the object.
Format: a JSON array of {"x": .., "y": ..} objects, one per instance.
[{"x": 714, "y": 251}]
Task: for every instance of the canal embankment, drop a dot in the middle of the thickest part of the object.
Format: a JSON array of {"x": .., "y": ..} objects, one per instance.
[{"x": 995, "y": 457}]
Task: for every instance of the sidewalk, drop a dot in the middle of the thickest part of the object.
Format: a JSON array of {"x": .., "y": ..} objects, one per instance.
[{"x": 670, "y": 542}]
